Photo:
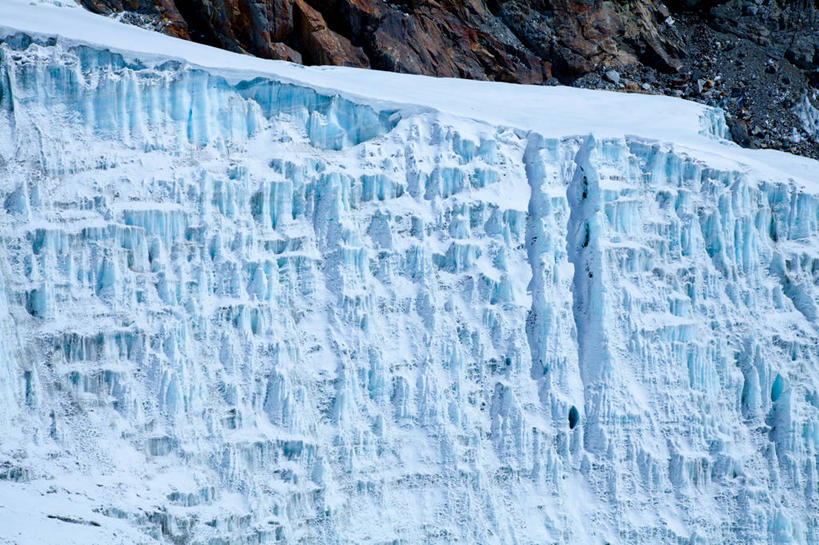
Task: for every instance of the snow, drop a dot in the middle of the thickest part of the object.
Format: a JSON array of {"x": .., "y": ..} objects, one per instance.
[
  {"x": 551, "y": 111},
  {"x": 244, "y": 301}
]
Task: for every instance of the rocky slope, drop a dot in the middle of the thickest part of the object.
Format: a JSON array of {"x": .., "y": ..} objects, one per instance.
[
  {"x": 757, "y": 59},
  {"x": 525, "y": 41}
]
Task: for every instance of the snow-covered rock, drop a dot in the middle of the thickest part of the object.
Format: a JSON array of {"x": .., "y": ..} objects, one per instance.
[{"x": 238, "y": 307}]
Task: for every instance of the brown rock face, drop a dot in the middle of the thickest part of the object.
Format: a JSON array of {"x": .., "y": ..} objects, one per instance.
[
  {"x": 524, "y": 41},
  {"x": 320, "y": 44},
  {"x": 580, "y": 37}
]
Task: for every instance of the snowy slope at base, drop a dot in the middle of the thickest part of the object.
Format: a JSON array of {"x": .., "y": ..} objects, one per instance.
[{"x": 244, "y": 301}]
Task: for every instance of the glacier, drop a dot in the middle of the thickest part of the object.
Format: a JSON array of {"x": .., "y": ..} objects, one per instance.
[{"x": 243, "y": 301}]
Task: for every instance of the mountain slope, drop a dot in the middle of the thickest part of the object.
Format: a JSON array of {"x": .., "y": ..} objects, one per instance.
[{"x": 510, "y": 41}]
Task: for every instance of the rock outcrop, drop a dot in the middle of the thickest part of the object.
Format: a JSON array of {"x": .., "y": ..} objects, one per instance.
[{"x": 524, "y": 41}]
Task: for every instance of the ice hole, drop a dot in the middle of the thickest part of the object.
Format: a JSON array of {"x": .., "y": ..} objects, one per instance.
[{"x": 574, "y": 416}]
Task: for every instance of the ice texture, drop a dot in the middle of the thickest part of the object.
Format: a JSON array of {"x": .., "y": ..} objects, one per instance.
[
  {"x": 808, "y": 114},
  {"x": 251, "y": 311}
]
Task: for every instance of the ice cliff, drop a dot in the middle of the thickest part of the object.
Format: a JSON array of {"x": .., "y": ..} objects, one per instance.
[{"x": 239, "y": 308}]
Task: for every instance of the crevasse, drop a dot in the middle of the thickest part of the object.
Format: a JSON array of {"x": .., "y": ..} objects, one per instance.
[{"x": 256, "y": 313}]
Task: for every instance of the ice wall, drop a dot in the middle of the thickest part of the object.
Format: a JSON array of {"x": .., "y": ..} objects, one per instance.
[{"x": 250, "y": 312}]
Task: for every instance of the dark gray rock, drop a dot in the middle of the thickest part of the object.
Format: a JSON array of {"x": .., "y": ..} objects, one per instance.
[{"x": 801, "y": 52}]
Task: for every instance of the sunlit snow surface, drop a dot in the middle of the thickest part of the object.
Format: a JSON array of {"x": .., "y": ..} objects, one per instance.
[{"x": 237, "y": 306}]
